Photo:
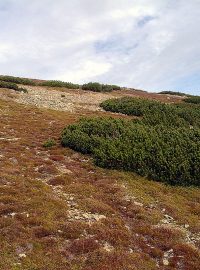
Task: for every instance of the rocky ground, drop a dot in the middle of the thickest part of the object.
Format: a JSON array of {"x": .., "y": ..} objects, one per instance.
[
  {"x": 73, "y": 100},
  {"x": 58, "y": 211}
]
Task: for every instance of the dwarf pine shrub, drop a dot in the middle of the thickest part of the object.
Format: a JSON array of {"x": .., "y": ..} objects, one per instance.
[
  {"x": 8, "y": 85},
  {"x": 17, "y": 80},
  {"x": 12, "y": 86},
  {"x": 162, "y": 143},
  {"x": 161, "y": 153},
  {"x": 97, "y": 87},
  {"x": 173, "y": 93},
  {"x": 154, "y": 112},
  {"x": 193, "y": 100},
  {"x": 52, "y": 83}
]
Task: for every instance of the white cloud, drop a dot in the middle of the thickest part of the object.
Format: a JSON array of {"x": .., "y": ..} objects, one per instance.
[
  {"x": 88, "y": 69},
  {"x": 148, "y": 44}
]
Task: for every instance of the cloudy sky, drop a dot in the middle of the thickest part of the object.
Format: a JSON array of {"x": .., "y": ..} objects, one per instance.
[{"x": 146, "y": 44}]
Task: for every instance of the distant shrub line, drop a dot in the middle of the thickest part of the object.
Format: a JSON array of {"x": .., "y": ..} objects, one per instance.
[
  {"x": 91, "y": 86},
  {"x": 173, "y": 93},
  {"x": 17, "y": 80},
  {"x": 157, "y": 152},
  {"x": 12, "y": 86},
  {"x": 52, "y": 83},
  {"x": 193, "y": 99}
]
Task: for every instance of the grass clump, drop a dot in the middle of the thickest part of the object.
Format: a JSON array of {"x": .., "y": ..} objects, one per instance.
[
  {"x": 17, "y": 80},
  {"x": 52, "y": 83},
  {"x": 97, "y": 87},
  {"x": 49, "y": 143}
]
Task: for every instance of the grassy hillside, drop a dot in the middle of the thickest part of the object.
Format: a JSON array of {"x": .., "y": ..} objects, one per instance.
[{"x": 59, "y": 211}]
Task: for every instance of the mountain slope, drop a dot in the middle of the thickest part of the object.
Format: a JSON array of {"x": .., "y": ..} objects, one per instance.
[{"x": 59, "y": 211}]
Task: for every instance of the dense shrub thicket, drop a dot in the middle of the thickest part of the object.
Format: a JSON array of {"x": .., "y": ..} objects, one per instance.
[
  {"x": 59, "y": 84},
  {"x": 12, "y": 86},
  {"x": 8, "y": 85},
  {"x": 18, "y": 80},
  {"x": 193, "y": 99},
  {"x": 157, "y": 152},
  {"x": 97, "y": 87},
  {"x": 155, "y": 112},
  {"x": 173, "y": 93}
]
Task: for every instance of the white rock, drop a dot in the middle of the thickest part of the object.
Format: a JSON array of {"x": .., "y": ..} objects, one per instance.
[
  {"x": 168, "y": 217},
  {"x": 138, "y": 204},
  {"x": 22, "y": 255},
  {"x": 165, "y": 262},
  {"x": 164, "y": 221},
  {"x": 108, "y": 247}
]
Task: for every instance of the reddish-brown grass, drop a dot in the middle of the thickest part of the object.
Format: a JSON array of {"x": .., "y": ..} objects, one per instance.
[{"x": 33, "y": 215}]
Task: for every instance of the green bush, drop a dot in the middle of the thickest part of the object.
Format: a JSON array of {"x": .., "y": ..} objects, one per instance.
[
  {"x": 193, "y": 100},
  {"x": 8, "y": 85},
  {"x": 92, "y": 86},
  {"x": 12, "y": 86},
  {"x": 154, "y": 112},
  {"x": 157, "y": 152},
  {"x": 49, "y": 143},
  {"x": 162, "y": 143},
  {"x": 59, "y": 84},
  {"x": 17, "y": 80},
  {"x": 97, "y": 87}
]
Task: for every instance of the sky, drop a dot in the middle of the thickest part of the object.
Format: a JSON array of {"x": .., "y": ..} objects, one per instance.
[{"x": 144, "y": 44}]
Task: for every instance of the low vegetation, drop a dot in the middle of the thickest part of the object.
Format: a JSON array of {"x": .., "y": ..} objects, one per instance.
[
  {"x": 52, "y": 83},
  {"x": 17, "y": 80},
  {"x": 156, "y": 113},
  {"x": 91, "y": 86},
  {"x": 13, "y": 86},
  {"x": 173, "y": 93},
  {"x": 159, "y": 153},
  {"x": 193, "y": 100},
  {"x": 40, "y": 189},
  {"x": 97, "y": 87},
  {"x": 162, "y": 143},
  {"x": 49, "y": 143}
]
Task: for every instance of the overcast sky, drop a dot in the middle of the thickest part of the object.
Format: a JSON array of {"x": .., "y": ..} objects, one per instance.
[{"x": 145, "y": 44}]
